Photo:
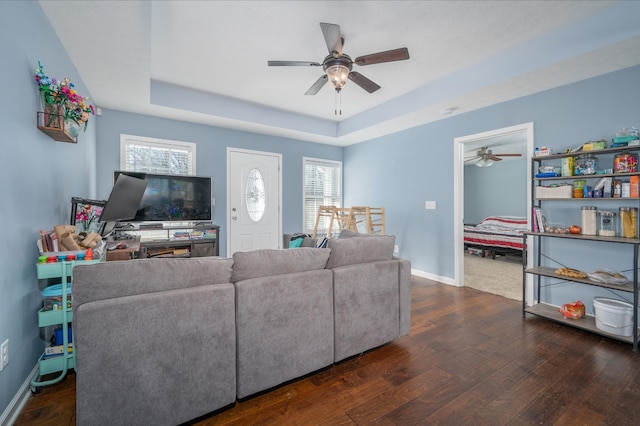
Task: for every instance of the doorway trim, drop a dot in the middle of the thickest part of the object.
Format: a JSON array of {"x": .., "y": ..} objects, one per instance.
[
  {"x": 228, "y": 213},
  {"x": 458, "y": 184}
]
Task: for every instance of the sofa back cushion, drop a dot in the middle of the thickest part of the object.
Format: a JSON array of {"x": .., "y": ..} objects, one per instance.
[
  {"x": 265, "y": 263},
  {"x": 355, "y": 249},
  {"x": 108, "y": 280}
]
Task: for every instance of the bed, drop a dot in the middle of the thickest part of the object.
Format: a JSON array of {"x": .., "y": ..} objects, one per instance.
[{"x": 496, "y": 235}]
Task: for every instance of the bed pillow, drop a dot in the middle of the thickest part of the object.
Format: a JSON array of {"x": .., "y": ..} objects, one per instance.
[{"x": 512, "y": 222}]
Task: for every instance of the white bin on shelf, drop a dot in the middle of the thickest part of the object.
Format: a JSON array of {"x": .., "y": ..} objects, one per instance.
[{"x": 613, "y": 316}]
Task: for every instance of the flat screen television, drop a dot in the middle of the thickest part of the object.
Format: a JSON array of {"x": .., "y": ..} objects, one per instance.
[{"x": 173, "y": 198}]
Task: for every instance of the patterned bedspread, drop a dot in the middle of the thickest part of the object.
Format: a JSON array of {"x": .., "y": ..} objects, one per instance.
[{"x": 497, "y": 232}]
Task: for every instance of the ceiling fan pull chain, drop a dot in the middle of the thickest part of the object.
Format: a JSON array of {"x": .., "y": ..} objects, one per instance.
[{"x": 338, "y": 103}]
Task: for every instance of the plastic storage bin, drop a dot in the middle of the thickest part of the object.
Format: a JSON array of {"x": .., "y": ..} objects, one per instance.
[{"x": 613, "y": 316}]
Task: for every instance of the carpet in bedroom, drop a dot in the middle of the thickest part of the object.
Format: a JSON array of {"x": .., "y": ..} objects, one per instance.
[{"x": 501, "y": 276}]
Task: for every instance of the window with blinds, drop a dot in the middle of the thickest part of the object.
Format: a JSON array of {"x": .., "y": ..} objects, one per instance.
[
  {"x": 322, "y": 187},
  {"x": 150, "y": 155}
]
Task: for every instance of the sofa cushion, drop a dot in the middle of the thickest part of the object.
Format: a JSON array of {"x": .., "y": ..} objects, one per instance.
[
  {"x": 354, "y": 250},
  {"x": 108, "y": 280},
  {"x": 265, "y": 263},
  {"x": 284, "y": 328}
]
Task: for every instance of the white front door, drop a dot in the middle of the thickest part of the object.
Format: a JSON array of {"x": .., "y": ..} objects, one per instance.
[{"x": 253, "y": 195}]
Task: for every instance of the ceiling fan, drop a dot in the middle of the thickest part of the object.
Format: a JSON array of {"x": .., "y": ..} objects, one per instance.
[
  {"x": 338, "y": 65},
  {"x": 485, "y": 157}
]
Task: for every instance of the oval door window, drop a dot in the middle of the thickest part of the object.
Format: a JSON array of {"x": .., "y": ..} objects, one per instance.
[{"x": 255, "y": 199}]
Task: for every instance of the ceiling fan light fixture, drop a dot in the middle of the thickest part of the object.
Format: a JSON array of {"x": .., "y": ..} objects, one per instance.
[
  {"x": 338, "y": 75},
  {"x": 485, "y": 162}
]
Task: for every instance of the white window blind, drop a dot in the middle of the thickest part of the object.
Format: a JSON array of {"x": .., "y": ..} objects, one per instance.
[
  {"x": 322, "y": 187},
  {"x": 150, "y": 155}
]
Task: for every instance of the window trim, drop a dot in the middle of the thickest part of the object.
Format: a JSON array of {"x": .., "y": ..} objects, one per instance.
[
  {"x": 319, "y": 161},
  {"x": 125, "y": 140}
]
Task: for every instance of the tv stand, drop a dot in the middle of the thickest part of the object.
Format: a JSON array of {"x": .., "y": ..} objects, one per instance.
[{"x": 192, "y": 240}]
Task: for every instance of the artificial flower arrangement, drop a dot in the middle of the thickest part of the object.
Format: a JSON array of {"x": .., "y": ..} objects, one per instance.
[
  {"x": 60, "y": 96},
  {"x": 86, "y": 215}
]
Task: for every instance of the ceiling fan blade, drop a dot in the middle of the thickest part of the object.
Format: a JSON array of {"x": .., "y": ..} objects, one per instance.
[
  {"x": 333, "y": 38},
  {"x": 317, "y": 85},
  {"x": 508, "y": 155},
  {"x": 293, "y": 64},
  {"x": 471, "y": 159},
  {"x": 387, "y": 56},
  {"x": 363, "y": 82},
  {"x": 494, "y": 158}
]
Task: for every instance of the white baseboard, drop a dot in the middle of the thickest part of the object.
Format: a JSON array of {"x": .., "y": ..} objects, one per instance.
[
  {"x": 13, "y": 410},
  {"x": 432, "y": 277}
]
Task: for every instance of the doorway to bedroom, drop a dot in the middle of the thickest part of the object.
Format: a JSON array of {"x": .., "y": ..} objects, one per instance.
[{"x": 492, "y": 172}]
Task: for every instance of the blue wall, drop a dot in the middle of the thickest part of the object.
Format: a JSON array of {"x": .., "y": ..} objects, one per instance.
[
  {"x": 211, "y": 151},
  {"x": 497, "y": 190},
  {"x": 39, "y": 176},
  {"x": 403, "y": 170}
]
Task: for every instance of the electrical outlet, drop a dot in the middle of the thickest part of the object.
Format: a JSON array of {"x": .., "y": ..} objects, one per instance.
[
  {"x": 396, "y": 249},
  {"x": 430, "y": 205},
  {"x": 4, "y": 354}
]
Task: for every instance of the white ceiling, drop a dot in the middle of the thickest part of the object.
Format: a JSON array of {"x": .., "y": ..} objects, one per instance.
[{"x": 206, "y": 61}]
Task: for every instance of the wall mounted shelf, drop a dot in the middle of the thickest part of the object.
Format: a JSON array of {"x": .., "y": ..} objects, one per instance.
[{"x": 60, "y": 134}]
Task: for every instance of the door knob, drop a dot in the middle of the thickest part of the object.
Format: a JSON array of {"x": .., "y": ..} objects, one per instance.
[{"x": 234, "y": 217}]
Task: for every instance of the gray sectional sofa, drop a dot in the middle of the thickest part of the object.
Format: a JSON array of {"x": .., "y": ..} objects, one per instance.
[{"x": 164, "y": 341}]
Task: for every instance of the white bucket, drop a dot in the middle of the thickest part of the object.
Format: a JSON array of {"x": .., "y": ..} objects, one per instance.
[{"x": 613, "y": 316}]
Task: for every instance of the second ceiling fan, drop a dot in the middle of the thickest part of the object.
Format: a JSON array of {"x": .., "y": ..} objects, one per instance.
[
  {"x": 485, "y": 157},
  {"x": 338, "y": 65}
]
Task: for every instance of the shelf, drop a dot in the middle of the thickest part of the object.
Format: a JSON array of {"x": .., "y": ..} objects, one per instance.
[
  {"x": 550, "y": 272},
  {"x": 54, "y": 270},
  {"x": 56, "y": 364},
  {"x": 47, "y": 318},
  {"x": 585, "y": 237},
  {"x": 589, "y": 199},
  {"x": 579, "y": 153},
  {"x": 587, "y": 323},
  {"x": 543, "y": 308},
  {"x": 583, "y": 177},
  {"x": 58, "y": 134}
]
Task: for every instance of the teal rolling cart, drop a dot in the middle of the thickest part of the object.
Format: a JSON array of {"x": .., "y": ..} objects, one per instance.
[{"x": 63, "y": 317}]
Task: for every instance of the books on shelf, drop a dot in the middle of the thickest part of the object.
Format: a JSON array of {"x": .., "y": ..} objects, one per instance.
[
  {"x": 53, "y": 351},
  {"x": 49, "y": 241},
  {"x": 540, "y": 223}
]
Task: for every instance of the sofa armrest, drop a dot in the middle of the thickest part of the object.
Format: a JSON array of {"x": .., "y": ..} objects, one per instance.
[
  {"x": 136, "y": 354},
  {"x": 366, "y": 306}
]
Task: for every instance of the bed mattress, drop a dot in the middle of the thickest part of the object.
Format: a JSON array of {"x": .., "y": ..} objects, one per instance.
[{"x": 497, "y": 232}]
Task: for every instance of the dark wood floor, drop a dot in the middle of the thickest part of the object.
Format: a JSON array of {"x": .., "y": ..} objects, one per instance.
[{"x": 471, "y": 359}]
